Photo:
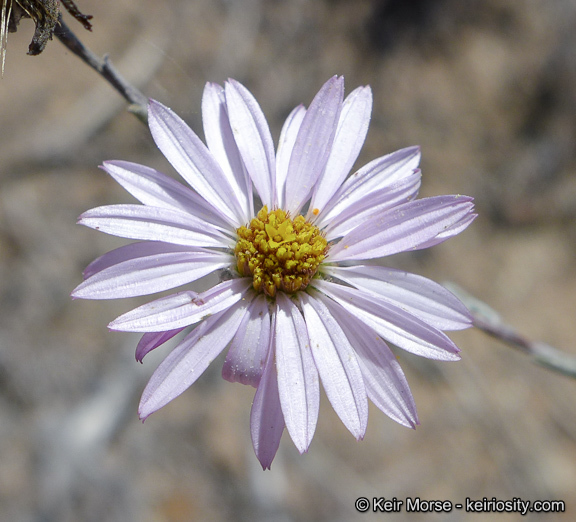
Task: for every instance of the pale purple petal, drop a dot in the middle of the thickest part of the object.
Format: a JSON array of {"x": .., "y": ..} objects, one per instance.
[
  {"x": 393, "y": 323},
  {"x": 253, "y": 138},
  {"x": 266, "y": 418},
  {"x": 313, "y": 144},
  {"x": 155, "y": 224},
  {"x": 348, "y": 141},
  {"x": 189, "y": 359},
  {"x": 418, "y": 295},
  {"x": 220, "y": 141},
  {"x": 152, "y": 340},
  {"x": 383, "y": 377},
  {"x": 193, "y": 161},
  {"x": 337, "y": 365},
  {"x": 451, "y": 231},
  {"x": 248, "y": 350},
  {"x": 298, "y": 384},
  {"x": 285, "y": 146},
  {"x": 379, "y": 173},
  {"x": 372, "y": 204},
  {"x": 150, "y": 274},
  {"x": 155, "y": 189},
  {"x": 182, "y": 309},
  {"x": 405, "y": 227},
  {"x": 128, "y": 252}
]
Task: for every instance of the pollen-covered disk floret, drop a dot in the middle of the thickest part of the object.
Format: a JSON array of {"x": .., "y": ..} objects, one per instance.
[{"x": 278, "y": 252}]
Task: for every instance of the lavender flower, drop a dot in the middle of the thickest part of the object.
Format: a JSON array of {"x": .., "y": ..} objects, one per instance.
[{"x": 305, "y": 300}]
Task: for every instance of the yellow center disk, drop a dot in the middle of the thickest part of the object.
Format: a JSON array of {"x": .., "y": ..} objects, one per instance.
[{"x": 279, "y": 253}]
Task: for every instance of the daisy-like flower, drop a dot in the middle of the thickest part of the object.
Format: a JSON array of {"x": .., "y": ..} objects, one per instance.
[{"x": 304, "y": 299}]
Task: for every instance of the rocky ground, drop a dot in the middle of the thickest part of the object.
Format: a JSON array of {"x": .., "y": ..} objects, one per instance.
[{"x": 487, "y": 88}]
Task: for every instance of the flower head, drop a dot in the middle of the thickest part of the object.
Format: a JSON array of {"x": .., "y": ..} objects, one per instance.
[{"x": 305, "y": 300}]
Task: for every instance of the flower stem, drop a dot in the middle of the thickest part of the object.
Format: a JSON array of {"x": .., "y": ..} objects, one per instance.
[
  {"x": 103, "y": 66},
  {"x": 489, "y": 321}
]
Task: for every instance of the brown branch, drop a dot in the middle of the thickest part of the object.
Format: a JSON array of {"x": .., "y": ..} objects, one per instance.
[{"x": 103, "y": 66}]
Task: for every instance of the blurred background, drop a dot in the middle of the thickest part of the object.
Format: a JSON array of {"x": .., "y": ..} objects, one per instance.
[{"x": 487, "y": 88}]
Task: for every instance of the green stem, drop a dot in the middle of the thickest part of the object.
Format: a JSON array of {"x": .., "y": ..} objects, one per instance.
[{"x": 489, "y": 321}]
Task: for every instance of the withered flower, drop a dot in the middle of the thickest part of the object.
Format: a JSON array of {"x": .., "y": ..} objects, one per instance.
[{"x": 44, "y": 13}]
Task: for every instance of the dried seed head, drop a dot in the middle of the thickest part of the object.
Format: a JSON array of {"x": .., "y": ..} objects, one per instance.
[{"x": 44, "y": 13}]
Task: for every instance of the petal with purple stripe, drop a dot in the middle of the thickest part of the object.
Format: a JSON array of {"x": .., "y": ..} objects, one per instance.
[
  {"x": 393, "y": 323},
  {"x": 383, "y": 377},
  {"x": 313, "y": 144},
  {"x": 405, "y": 227},
  {"x": 182, "y": 309},
  {"x": 350, "y": 135},
  {"x": 266, "y": 417},
  {"x": 155, "y": 189},
  {"x": 128, "y": 252},
  {"x": 155, "y": 224},
  {"x": 193, "y": 161},
  {"x": 150, "y": 274},
  {"x": 450, "y": 231},
  {"x": 337, "y": 365},
  {"x": 298, "y": 385},
  {"x": 378, "y": 174},
  {"x": 189, "y": 359},
  {"x": 220, "y": 141},
  {"x": 253, "y": 138},
  {"x": 285, "y": 147},
  {"x": 248, "y": 350},
  {"x": 372, "y": 204},
  {"x": 418, "y": 295},
  {"x": 152, "y": 340}
]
